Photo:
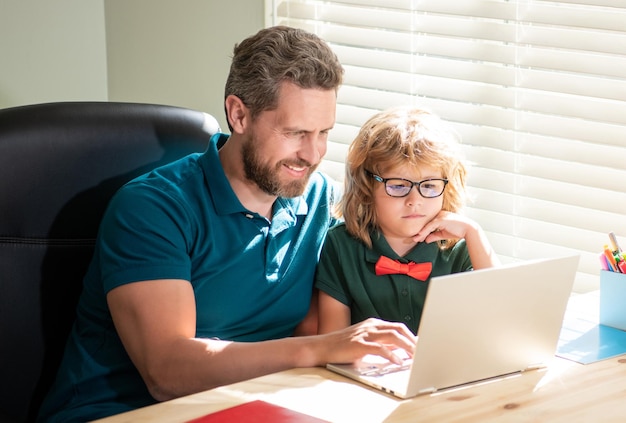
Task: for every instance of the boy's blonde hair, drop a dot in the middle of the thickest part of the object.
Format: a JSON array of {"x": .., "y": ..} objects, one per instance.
[{"x": 403, "y": 135}]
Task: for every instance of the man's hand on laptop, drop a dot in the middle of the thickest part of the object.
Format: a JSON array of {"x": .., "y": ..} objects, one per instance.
[
  {"x": 373, "y": 365},
  {"x": 371, "y": 336}
]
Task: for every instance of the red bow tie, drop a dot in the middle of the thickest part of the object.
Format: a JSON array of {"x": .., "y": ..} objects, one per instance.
[{"x": 419, "y": 271}]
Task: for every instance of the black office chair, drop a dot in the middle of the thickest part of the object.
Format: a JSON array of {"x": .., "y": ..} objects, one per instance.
[{"x": 60, "y": 163}]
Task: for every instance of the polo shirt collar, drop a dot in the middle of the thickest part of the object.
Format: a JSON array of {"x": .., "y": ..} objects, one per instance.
[
  {"x": 286, "y": 210},
  {"x": 223, "y": 197},
  {"x": 420, "y": 253}
]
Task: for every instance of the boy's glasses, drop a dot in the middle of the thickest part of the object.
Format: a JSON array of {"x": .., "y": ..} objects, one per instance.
[{"x": 400, "y": 187}]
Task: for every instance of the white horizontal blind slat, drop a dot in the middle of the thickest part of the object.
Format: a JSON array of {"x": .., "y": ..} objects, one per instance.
[{"x": 536, "y": 89}]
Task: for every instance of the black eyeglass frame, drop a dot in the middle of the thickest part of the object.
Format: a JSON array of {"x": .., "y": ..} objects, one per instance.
[{"x": 418, "y": 184}]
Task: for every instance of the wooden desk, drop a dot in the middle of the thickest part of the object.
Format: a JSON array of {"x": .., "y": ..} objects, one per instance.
[{"x": 564, "y": 392}]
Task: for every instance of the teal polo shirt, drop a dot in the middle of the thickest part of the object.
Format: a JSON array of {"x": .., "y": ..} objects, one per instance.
[
  {"x": 252, "y": 278},
  {"x": 346, "y": 273}
]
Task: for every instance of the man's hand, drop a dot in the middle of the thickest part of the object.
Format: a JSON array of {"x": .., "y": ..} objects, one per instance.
[{"x": 372, "y": 336}]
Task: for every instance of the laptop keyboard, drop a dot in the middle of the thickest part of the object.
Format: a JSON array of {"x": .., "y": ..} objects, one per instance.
[{"x": 379, "y": 369}]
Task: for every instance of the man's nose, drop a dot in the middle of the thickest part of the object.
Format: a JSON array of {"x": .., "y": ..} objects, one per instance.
[{"x": 313, "y": 148}]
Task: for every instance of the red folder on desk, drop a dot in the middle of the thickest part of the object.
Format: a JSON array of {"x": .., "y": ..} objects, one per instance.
[{"x": 257, "y": 412}]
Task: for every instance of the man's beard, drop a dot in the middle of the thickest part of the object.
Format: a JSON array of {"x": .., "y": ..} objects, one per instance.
[{"x": 267, "y": 178}]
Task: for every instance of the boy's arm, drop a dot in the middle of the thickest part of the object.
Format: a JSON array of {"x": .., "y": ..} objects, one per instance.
[
  {"x": 447, "y": 225},
  {"x": 333, "y": 314}
]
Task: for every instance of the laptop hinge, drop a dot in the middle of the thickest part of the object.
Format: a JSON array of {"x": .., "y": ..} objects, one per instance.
[
  {"x": 535, "y": 366},
  {"x": 427, "y": 390}
]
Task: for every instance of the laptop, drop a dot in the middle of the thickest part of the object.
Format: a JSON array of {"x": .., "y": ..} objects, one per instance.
[{"x": 479, "y": 325}]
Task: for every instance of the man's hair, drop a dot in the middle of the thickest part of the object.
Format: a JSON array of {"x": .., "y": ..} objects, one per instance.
[
  {"x": 403, "y": 135},
  {"x": 277, "y": 54}
]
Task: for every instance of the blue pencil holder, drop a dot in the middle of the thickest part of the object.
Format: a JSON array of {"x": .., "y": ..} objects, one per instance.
[{"x": 613, "y": 299}]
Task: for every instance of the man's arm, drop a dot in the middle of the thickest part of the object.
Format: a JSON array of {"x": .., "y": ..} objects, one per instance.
[{"x": 156, "y": 321}]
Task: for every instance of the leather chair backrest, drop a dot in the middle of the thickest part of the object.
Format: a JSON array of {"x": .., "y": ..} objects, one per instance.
[{"x": 60, "y": 163}]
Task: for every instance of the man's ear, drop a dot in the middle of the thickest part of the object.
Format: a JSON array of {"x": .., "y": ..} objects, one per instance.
[{"x": 237, "y": 113}]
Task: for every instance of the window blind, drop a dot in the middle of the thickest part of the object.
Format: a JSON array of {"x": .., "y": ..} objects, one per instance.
[{"x": 535, "y": 88}]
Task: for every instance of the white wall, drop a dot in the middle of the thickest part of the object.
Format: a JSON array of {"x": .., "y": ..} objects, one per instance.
[
  {"x": 51, "y": 51},
  {"x": 155, "y": 51},
  {"x": 176, "y": 52}
]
